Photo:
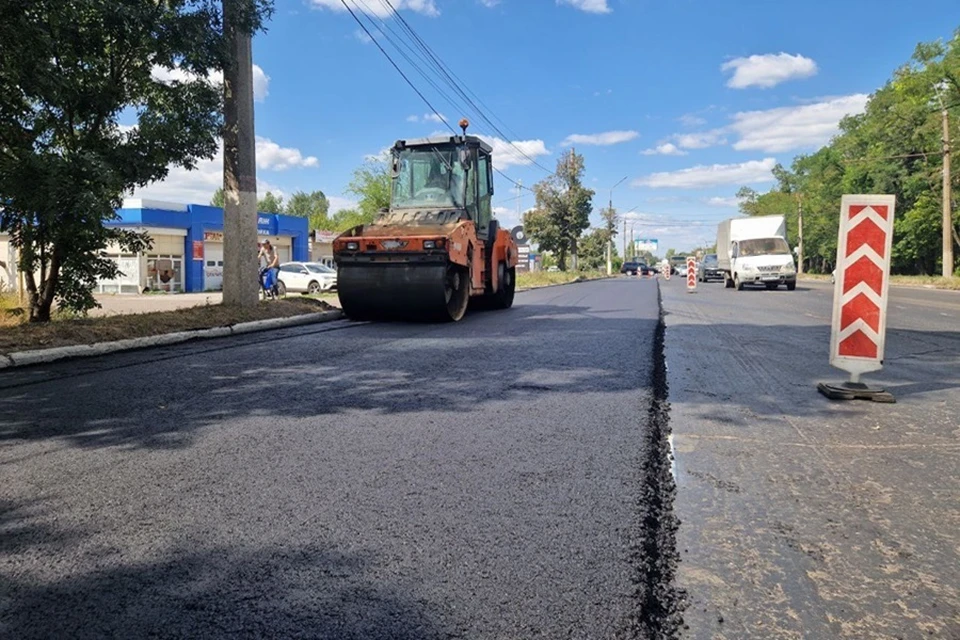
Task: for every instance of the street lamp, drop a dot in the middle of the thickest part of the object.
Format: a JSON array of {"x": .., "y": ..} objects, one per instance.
[{"x": 610, "y": 231}]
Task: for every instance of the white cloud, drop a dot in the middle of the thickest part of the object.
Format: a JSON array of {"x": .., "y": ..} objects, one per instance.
[
  {"x": 690, "y": 120},
  {"x": 362, "y": 36},
  {"x": 700, "y": 139},
  {"x": 197, "y": 186},
  {"x": 381, "y": 9},
  {"x": 768, "y": 70},
  {"x": 489, "y": 3},
  {"x": 518, "y": 153},
  {"x": 719, "y": 201},
  {"x": 261, "y": 81},
  {"x": 665, "y": 149},
  {"x": 604, "y": 139},
  {"x": 428, "y": 117},
  {"x": 338, "y": 202},
  {"x": 700, "y": 176},
  {"x": 785, "y": 128},
  {"x": 590, "y": 6},
  {"x": 272, "y": 157},
  {"x": 383, "y": 154}
]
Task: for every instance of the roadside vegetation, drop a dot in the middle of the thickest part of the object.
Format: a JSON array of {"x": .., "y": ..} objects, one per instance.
[
  {"x": 894, "y": 146},
  {"x": 936, "y": 282},
  {"x": 532, "y": 280},
  {"x": 69, "y": 72},
  {"x": 17, "y": 334}
]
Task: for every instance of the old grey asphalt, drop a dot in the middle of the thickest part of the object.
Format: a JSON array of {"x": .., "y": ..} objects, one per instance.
[
  {"x": 476, "y": 480},
  {"x": 802, "y": 517}
]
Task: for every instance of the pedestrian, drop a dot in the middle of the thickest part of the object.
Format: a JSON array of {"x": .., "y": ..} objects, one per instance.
[{"x": 268, "y": 254}]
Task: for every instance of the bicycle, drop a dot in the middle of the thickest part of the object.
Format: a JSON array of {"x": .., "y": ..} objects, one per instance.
[{"x": 275, "y": 290}]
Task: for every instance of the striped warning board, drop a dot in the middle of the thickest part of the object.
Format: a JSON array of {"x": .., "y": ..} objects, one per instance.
[
  {"x": 862, "y": 282},
  {"x": 691, "y": 274},
  {"x": 665, "y": 269}
]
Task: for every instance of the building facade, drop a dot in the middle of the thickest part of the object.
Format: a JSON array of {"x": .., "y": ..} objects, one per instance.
[{"x": 187, "y": 250}]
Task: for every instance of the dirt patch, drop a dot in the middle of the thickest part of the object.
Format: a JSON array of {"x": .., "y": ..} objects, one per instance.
[{"x": 16, "y": 335}]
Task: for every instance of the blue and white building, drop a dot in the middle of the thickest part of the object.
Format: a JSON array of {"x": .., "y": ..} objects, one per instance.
[{"x": 187, "y": 251}]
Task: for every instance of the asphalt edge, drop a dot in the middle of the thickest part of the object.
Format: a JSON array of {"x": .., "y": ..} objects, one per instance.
[
  {"x": 43, "y": 356},
  {"x": 654, "y": 552}
]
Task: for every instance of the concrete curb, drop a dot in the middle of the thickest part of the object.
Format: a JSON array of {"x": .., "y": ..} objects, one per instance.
[
  {"x": 39, "y": 356},
  {"x": 904, "y": 285}
]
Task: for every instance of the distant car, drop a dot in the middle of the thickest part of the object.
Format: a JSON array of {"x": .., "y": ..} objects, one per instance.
[
  {"x": 709, "y": 268},
  {"x": 632, "y": 267},
  {"x": 833, "y": 277},
  {"x": 553, "y": 268},
  {"x": 678, "y": 265},
  {"x": 306, "y": 277}
]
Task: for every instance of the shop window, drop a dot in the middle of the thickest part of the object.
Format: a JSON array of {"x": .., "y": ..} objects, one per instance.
[{"x": 165, "y": 273}]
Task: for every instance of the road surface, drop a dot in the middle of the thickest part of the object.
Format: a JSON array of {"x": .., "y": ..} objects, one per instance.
[
  {"x": 486, "y": 479},
  {"x": 504, "y": 477},
  {"x": 802, "y": 517}
]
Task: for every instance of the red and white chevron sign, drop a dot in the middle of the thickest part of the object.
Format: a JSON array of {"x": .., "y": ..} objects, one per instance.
[
  {"x": 862, "y": 282},
  {"x": 691, "y": 273}
]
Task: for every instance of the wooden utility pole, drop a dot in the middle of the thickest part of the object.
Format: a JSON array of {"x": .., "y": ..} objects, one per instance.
[
  {"x": 240, "y": 268},
  {"x": 947, "y": 217},
  {"x": 800, "y": 234},
  {"x": 624, "y": 238}
]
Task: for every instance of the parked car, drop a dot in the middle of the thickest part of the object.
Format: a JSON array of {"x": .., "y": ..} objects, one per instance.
[
  {"x": 709, "y": 268},
  {"x": 306, "y": 277}
]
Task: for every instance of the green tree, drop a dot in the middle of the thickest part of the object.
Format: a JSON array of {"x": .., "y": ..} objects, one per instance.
[
  {"x": 562, "y": 211},
  {"x": 270, "y": 203},
  {"x": 892, "y": 147},
  {"x": 218, "y": 200},
  {"x": 68, "y": 70},
  {"x": 313, "y": 206},
  {"x": 593, "y": 250},
  {"x": 371, "y": 184}
]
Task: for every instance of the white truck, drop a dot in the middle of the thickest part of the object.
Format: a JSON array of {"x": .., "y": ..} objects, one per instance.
[{"x": 754, "y": 250}]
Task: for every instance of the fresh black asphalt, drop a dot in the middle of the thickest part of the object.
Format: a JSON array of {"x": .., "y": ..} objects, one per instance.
[{"x": 485, "y": 479}]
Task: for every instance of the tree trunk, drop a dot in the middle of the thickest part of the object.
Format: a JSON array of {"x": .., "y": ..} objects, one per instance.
[
  {"x": 562, "y": 259},
  {"x": 41, "y": 301}
]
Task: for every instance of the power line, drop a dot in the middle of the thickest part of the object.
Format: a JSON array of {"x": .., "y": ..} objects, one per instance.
[
  {"x": 413, "y": 86},
  {"x": 395, "y": 66},
  {"x": 446, "y": 74}
]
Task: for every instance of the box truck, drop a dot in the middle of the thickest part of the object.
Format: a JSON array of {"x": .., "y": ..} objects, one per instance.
[{"x": 754, "y": 250}]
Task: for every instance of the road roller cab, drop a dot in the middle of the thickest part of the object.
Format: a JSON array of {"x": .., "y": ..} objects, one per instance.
[{"x": 438, "y": 247}]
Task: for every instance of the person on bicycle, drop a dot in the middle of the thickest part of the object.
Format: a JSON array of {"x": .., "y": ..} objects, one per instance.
[{"x": 269, "y": 254}]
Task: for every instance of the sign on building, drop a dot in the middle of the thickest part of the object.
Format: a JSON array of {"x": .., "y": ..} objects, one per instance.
[
  {"x": 523, "y": 258},
  {"x": 646, "y": 244}
]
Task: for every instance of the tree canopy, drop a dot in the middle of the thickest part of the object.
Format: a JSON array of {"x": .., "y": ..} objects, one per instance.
[
  {"x": 68, "y": 70},
  {"x": 893, "y": 147},
  {"x": 371, "y": 184},
  {"x": 314, "y": 206},
  {"x": 562, "y": 211}
]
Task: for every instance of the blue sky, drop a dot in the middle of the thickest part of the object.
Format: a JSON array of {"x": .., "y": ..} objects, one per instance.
[{"x": 687, "y": 99}]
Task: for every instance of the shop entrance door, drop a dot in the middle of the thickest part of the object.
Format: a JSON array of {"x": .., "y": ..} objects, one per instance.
[{"x": 213, "y": 266}]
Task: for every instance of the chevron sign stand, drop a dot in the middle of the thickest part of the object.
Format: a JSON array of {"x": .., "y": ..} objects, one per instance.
[{"x": 860, "y": 295}]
